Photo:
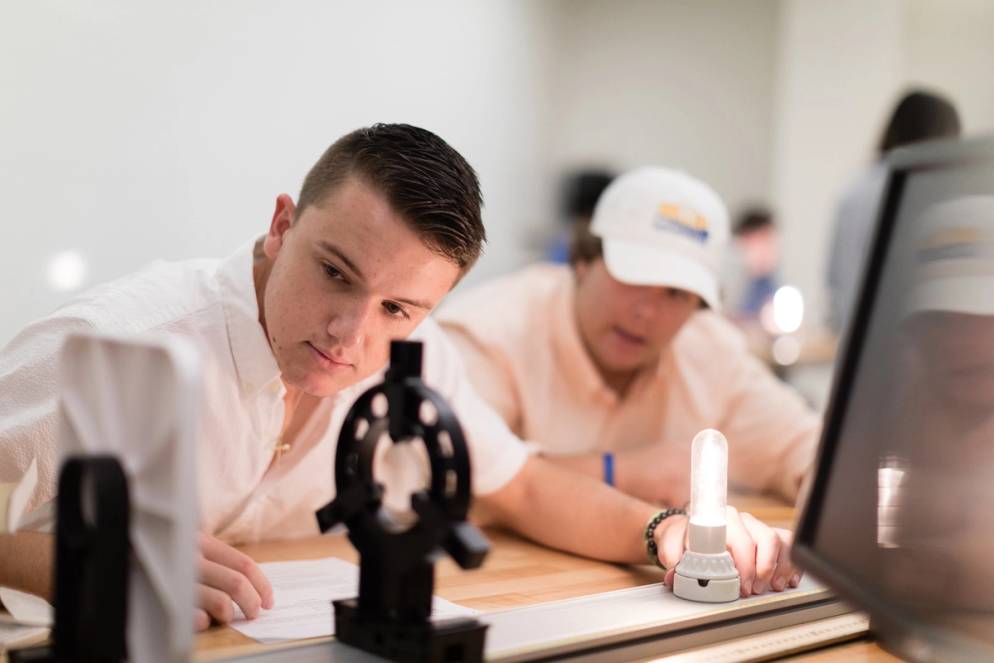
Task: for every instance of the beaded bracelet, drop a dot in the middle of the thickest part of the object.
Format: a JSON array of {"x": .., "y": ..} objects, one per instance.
[{"x": 652, "y": 551}]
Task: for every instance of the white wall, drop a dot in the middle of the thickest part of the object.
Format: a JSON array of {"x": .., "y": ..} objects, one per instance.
[
  {"x": 133, "y": 131},
  {"x": 839, "y": 68},
  {"x": 842, "y": 66},
  {"x": 950, "y": 45},
  {"x": 686, "y": 84},
  {"x": 165, "y": 130}
]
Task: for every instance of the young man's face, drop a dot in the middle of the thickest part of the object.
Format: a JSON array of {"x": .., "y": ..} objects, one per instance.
[
  {"x": 626, "y": 327},
  {"x": 348, "y": 276}
]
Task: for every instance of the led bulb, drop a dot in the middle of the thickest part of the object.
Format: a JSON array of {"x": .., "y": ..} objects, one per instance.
[
  {"x": 788, "y": 309},
  {"x": 707, "y": 572},
  {"x": 708, "y": 478}
]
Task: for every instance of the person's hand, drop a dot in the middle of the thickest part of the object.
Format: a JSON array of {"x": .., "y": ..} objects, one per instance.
[
  {"x": 761, "y": 553},
  {"x": 655, "y": 473},
  {"x": 228, "y": 575}
]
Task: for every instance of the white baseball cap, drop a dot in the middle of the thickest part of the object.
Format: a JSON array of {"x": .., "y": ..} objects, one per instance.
[
  {"x": 662, "y": 227},
  {"x": 954, "y": 257}
]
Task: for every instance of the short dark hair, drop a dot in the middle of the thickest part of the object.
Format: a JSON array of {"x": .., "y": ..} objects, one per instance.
[
  {"x": 581, "y": 191},
  {"x": 423, "y": 178},
  {"x": 920, "y": 116},
  {"x": 584, "y": 246},
  {"x": 752, "y": 219}
]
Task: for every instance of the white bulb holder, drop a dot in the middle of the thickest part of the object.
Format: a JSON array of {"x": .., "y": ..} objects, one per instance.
[
  {"x": 707, "y": 572},
  {"x": 707, "y": 577}
]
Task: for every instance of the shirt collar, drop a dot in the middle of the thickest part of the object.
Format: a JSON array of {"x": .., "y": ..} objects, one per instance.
[{"x": 253, "y": 357}]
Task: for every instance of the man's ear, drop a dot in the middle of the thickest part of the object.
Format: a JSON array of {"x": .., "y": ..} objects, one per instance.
[{"x": 283, "y": 217}]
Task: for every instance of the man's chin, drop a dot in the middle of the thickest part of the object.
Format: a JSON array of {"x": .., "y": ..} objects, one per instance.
[
  {"x": 320, "y": 385},
  {"x": 626, "y": 364}
]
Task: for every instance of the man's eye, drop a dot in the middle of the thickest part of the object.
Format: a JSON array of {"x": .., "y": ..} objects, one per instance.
[
  {"x": 332, "y": 273},
  {"x": 395, "y": 310}
]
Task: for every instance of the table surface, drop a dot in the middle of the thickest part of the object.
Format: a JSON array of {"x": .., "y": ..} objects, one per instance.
[{"x": 516, "y": 573}]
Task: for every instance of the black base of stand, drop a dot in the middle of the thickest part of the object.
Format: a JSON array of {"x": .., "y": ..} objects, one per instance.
[
  {"x": 36, "y": 654},
  {"x": 458, "y": 640}
]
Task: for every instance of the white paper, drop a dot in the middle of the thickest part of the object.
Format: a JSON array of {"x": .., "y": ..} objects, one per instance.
[
  {"x": 303, "y": 592},
  {"x": 19, "y": 635},
  {"x": 14, "y": 498},
  {"x": 26, "y": 609},
  {"x": 5, "y": 491}
]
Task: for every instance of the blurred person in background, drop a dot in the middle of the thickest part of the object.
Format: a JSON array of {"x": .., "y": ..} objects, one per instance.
[
  {"x": 751, "y": 272},
  {"x": 919, "y": 116},
  {"x": 580, "y": 191},
  {"x": 611, "y": 365}
]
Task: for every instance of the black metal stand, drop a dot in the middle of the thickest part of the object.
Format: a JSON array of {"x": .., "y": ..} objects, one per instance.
[
  {"x": 391, "y": 616},
  {"x": 446, "y": 640},
  {"x": 91, "y": 566}
]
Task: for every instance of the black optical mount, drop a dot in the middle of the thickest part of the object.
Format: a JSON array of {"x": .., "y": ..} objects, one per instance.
[
  {"x": 391, "y": 616},
  {"x": 91, "y": 566}
]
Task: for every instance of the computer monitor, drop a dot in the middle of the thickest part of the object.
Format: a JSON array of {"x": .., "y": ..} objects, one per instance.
[{"x": 900, "y": 516}]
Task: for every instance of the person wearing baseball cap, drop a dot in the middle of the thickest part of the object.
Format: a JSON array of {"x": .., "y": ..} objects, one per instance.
[
  {"x": 612, "y": 364},
  {"x": 663, "y": 228}
]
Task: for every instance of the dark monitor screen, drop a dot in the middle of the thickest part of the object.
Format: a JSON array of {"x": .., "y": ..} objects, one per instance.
[{"x": 900, "y": 518}]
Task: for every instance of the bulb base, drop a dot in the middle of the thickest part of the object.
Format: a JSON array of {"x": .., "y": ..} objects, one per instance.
[
  {"x": 706, "y": 578},
  {"x": 707, "y": 539},
  {"x": 716, "y": 591}
]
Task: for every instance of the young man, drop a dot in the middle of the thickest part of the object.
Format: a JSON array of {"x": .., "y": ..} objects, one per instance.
[
  {"x": 613, "y": 366},
  {"x": 291, "y": 329}
]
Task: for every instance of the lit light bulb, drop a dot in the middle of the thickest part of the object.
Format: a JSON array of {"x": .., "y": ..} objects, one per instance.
[
  {"x": 708, "y": 478},
  {"x": 788, "y": 309},
  {"x": 707, "y": 572}
]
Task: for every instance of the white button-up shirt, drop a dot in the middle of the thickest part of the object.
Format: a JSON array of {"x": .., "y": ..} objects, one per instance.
[{"x": 244, "y": 496}]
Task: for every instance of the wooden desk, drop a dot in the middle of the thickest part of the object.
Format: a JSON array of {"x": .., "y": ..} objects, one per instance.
[
  {"x": 859, "y": 651},
  {"x": 516, "y": 573}
]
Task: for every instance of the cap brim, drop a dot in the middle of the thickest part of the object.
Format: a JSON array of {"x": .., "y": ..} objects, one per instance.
[
  {"x": 635, "y": 264},
  {"x": 960, "y": 294}
]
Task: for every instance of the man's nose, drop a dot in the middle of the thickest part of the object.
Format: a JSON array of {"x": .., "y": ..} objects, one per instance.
[
  {"x": 645, "y": 301},
  {"x": 347, "y": 325}
]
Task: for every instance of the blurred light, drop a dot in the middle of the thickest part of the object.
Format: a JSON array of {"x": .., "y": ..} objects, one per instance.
[
  {"x": 786, "y": 350},
  {"x": 890, "y": 485},
  {"x": 66, "y": 271},
  {"x": 788, "y": 309}
]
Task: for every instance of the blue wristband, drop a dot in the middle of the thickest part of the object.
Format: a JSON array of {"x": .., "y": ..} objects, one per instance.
[{"x": 608, "y": 468}]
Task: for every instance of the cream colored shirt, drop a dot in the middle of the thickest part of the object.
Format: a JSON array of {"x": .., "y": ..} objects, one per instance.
[
  {"x": 243, "y": 495},
  {"x": 522, "y": 348}
]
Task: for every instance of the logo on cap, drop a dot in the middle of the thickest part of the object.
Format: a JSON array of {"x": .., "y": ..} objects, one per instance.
[
  {"x": 683, "y": 221},
  {"x": 955, "y": 243}
]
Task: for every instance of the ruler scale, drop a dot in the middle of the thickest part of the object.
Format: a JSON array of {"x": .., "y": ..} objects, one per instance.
[{"x": 779, "y": 642}]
